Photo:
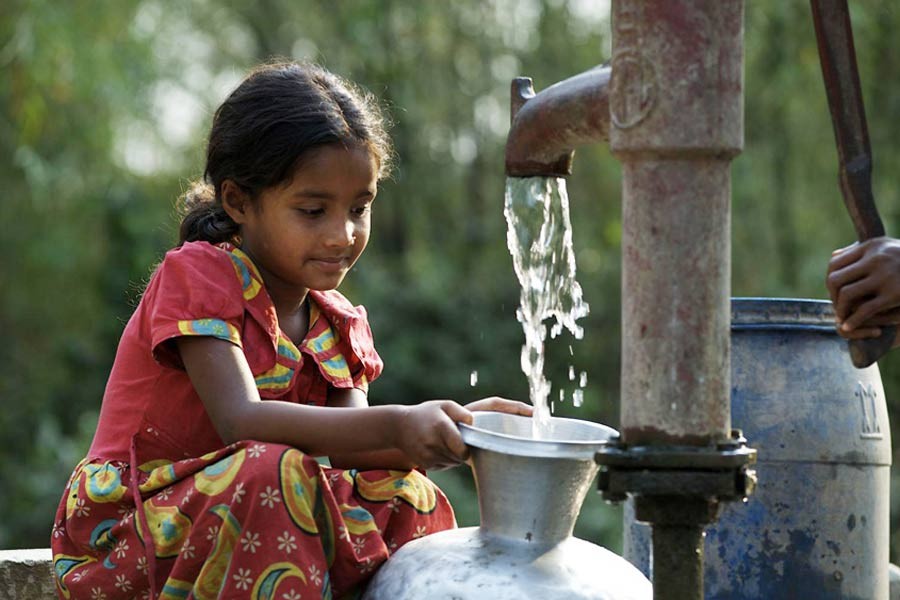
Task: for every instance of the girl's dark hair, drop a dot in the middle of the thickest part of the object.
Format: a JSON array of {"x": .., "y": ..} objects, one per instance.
[{"x": 263, "y": 130}]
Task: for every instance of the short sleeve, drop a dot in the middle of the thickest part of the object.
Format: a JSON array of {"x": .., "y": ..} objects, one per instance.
[{"x": 194, "y": 292}]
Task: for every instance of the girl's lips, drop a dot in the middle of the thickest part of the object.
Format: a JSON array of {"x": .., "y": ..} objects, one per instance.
[{"x": 330, "y": 264}]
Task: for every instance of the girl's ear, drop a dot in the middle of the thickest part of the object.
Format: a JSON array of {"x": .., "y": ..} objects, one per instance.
[{"x": 235, "y": 201}]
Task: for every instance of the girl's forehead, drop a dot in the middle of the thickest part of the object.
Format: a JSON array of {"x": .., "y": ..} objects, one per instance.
[
  {"x": 336, "y": 162},
  {"x": 356, "y": 155}
]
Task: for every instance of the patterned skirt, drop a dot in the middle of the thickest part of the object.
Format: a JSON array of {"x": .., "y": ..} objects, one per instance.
[{"x": 252, "y": 520}]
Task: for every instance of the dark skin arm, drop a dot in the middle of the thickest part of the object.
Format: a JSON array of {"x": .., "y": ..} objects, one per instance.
[
  {"x": 863, "y": 282},
  {"x": 424, "y": 435},
  {"x": 393, "y": 458},
  {"x": 390, "y": 458}
]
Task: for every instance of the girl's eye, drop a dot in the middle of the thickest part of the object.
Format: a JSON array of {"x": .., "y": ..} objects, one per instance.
[
  {"x": 312, "y": 212},
  {"x": 360, "y": 211}
]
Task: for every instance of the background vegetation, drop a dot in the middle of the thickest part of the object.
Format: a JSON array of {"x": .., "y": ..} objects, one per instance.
[{"x": 103, "y": 111}]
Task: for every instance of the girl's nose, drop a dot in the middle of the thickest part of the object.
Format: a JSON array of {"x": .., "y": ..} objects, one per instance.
[{"x": 342, "y": 233}]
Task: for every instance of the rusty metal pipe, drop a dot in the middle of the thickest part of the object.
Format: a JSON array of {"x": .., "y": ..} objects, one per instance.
[
  {"x": 546, "y": 127},
  {"x": 677, "y": 121}
]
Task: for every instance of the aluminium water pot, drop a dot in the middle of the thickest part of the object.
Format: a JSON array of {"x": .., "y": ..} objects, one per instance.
[{"x": 530, "y": 493}]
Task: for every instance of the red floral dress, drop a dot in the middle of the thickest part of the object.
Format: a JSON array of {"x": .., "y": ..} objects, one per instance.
[{"x": 161, "y": 508}]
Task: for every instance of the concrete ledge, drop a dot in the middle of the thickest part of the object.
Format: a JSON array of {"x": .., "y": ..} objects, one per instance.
[{"x": 26, "y": 575}]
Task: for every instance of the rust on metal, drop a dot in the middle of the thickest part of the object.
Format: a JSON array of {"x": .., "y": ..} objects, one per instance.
[
  {"x": 676, "y": 96},
  {"x": 547, "y": 127}
]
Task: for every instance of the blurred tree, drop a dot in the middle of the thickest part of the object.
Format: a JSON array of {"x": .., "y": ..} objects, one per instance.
[{"x": 70, "y": 79}]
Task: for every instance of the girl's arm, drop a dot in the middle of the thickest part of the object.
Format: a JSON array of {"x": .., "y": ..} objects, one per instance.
[
  {"x": 425, "y": 433},
  {"x": 393, "y": 458},
  {"x": 390, "y": 458}
]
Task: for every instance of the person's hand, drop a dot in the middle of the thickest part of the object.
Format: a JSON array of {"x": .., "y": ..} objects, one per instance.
[
  {"x": 428, "y": 435},
  {"x": 863, "y": 281},
  {"x": 497, "y": 404}
]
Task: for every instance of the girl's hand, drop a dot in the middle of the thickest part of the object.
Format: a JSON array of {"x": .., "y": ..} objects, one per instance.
[
  {"x": 428, "y": 435},
  {"x": 497, "y": 404},
  {"x": 864, "y": 284}
]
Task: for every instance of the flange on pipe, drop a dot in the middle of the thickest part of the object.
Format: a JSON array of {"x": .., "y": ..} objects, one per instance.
[{"x": 679, "y": 490}]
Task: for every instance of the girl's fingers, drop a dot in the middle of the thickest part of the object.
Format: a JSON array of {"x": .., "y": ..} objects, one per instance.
[
  {"x": 495, "y": 403},
  {"x": 456, "y": 412},
  {"x": 454, "y": 443}
]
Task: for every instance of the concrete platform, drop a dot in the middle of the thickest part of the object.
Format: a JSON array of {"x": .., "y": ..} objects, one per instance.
[{"x": 26, "y": 575}]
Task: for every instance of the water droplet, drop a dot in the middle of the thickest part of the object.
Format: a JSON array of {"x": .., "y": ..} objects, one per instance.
[
  {"x": 582, "y": 379},
  {"x": 571, "y": 373},
  {"x": 570, "y": 351},
  {"x": 578, "y": 398},
  {"x": 562, "y": 395},
  {"x": 473, "y": 378}
]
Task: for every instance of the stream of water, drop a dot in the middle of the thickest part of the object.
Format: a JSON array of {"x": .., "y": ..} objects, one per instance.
[{"x": 539, "y": 237}]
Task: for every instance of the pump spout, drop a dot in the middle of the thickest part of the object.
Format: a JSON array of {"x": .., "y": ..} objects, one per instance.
[{"x": 546, "y": 127}]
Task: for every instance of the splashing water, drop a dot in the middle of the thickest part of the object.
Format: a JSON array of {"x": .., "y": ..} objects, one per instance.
[{"x": 539, "y": 237}]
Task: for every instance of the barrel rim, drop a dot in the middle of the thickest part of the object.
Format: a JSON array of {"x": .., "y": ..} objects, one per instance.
[{"x": 792, "y": 313}]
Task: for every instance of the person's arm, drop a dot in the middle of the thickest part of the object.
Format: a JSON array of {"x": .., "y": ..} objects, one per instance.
[
  {"x": 863, "y": 281},
  {"x": 390, "y": 458},
  {"x": 393, "y": 458},
  {"x": 426, "y": 433}
]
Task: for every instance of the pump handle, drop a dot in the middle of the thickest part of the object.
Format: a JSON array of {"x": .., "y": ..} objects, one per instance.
[{"x": 834, "y": 35}]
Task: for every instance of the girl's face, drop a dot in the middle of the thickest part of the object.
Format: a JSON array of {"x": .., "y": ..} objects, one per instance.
[{"x": 308, "y": 233}]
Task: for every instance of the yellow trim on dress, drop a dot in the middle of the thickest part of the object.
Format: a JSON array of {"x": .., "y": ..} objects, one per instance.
[
  {"x": 216, "y": 328},
  {"x": 247, "y": 274}
]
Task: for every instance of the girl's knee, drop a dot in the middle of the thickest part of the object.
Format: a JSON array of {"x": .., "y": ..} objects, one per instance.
[{"x": 265, "y": 462}]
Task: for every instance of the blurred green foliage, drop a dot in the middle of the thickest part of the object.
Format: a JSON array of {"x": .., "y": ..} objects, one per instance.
[{"x": 103, "y": 111}]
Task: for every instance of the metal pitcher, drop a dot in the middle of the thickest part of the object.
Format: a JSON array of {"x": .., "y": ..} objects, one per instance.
[{"x": 529, "y": 492}]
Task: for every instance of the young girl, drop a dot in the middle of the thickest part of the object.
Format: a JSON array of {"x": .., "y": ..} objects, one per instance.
[{"x": 241, "y": 364}]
